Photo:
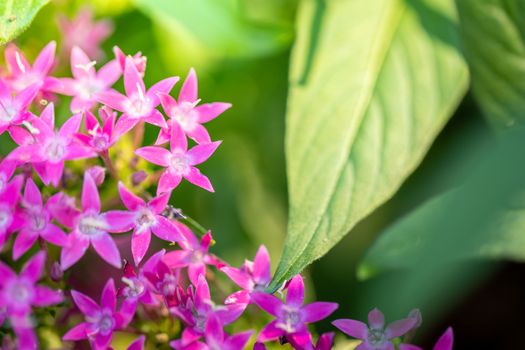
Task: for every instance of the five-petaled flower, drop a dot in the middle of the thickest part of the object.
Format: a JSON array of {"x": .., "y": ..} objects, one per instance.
[
  {"x": 37, "y": 223},
  {"x": 187, "y": 114},
  {"x": 292, "y": 316},
  {"x": 376, "y": 336},
  {"x": 179, "y": 162},
  {"x": 144, "y": 218},
  {"x": 14, "y": 110},
  {"x": 86, "y": 82},
  {"x": 100, "y": 320},
  {"x": 91, "y": 226},
  {"x": 19, "y": 293}
]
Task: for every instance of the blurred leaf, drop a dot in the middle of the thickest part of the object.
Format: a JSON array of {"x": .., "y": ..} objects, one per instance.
[
  {"x": 493, "y": 34},
  {"x": 216, "y": 28},
  {"x": 15, "y": 17},
  {"x": 483, "y": 219},
  {"x": 372, "y": 84}
]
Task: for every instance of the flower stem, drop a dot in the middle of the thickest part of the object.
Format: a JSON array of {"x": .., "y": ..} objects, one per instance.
[
  {"x": 138, "y": 137},
  {"x": 109, "y": 164},
  {"x": 195, "y": 224}
]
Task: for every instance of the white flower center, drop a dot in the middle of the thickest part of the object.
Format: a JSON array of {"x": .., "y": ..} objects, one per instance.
[
  {"x": 135, "y": 287},
  {"x": 92, "y": 225},
  {"x": 376, "y": 337},
  {"x": 37, "y": 220},
  {"x": 19, "y": 292},
  {"x": 138, "y": 105},
  {"x": 55, "y": 150},
  {"x": 86, "y": 88},
  {"x": 100, "y": 142},
  {"x": 185, "y": 115},
  {"x": 103, "y": 321},
  {"x": 168, "y": 285},
  {"x": 290, "y": 319},
  {"x": 144, "y": 219},
  {"x": 5, "y": 218},
  {"x": 179, "y": 163}
]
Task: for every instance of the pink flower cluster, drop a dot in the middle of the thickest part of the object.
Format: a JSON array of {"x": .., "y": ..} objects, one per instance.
[{"x": 38, "y": 205}]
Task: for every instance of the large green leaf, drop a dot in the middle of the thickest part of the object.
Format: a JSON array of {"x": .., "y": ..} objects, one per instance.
[
  {"x": 372, "y": 84},
  {"x": 15, "y": 17},
  {"x": 484, "y": 218},
  {"x": 493, "y": 34}
]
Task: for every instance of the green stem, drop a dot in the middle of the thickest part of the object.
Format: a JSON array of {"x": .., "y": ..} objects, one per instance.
[
  {"x": 109, "y": 165},
  {"x": 195, "y": 224}
]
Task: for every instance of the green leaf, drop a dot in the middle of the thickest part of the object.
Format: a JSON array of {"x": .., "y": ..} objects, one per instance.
[
  {"x": 493, "y": 33},
  {"x": 216, "y": 27},
  {"x": 372, "y": 84},
  {"x": 15, "y": 17},
  {"x": 484, "y": 218}
]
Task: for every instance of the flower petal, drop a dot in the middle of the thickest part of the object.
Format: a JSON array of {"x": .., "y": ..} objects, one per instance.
[
  {"x": 132, "y": 79},
  {"x": 446, "y": 341},
  {"x": 178, "y": 138},
  {"x": 139, "y": 245},
  {"x": 210, "y": 111},
  {"x": 166, "y": 230},
  {"x": 81, "y": 65},
  {"x": 270, "y": 332},
  {"x": 168, "y": 181},
  {"x": 202, "y": 152},
  {"x": 317, "y": 311},
  {"x": 119, "y": 220},
  {"x": 73, "y": 251},
  {"x": 85, "y": 303},
  {"x": 129, "y": 199},
  {"x": 137, "y": 344},
  {"x": 90, "y": 197},
  {"x": 54, "y": 234},
  {"x": 107, "y": 249},
  {"x": 45, "y": 59},
  {"x": 24, "y": 240},
  {"x": 269, "y": 303},
  {"x": 376, "y": 319},
  {"x": 46, "y": 296},
  {"x": 32, "y": 194},
  {"x": 76, "y": 333},
  {"x": 109, "y": 296},
  {"x": 353, "y": 328},
  {"x": 156, "y": 155},
  {"x": 162, "y": 87},
  {"x": 240, "y": 277},
  {"x": 159, "y": 203},
  {"x": 261, "y": 266},
  {"x": 198, "y": 179},
  {"x": 34, "y": 267},
  {"x": 295, "y": 293},
  {"x": 189, "y": 90}
]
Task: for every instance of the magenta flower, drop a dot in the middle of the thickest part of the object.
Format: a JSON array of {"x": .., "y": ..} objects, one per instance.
[
  {"x": 164, "y": 282},
  {"x": 100, "y": 320},
  {"x": 90, "y": 226},
  {"x": 18, "y": 294},
  {"x": 85, "y": 32},
  {"x": 216, "y": 338},
  {"x": 36, "y": 222},
  {"x": 145, "y": 218},
  {"x": 187, "y": 114},
  {"x": 9, "y": 221},
  {"x": 194, "y": 254},
  {"x": 445, "y": 342},
  {"x": 51, "y": 149},
  {"x": 252, "y": 276},
  {"x": 292, "y": 316},
  {"x": 14, "y": 110},
  {"x": 7, "y": 169},
  {"x": 86, "y": 82},
  {"x": 139, "y": 60},
  {"x": 139, "y": 104},
  {"x": 375, "y": 336},
  {"x": 100, "y": 137},
  {"x": 179, "y": 162},
  {"x": 136, "y": 287},
  {"x": 22, "y": 75},
  {"x": 325, "y": 342},
  {"x": 196, "y": 312}
]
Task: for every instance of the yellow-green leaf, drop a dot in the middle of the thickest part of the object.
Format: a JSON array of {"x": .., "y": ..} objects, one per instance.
[{"x": 16, "y": 16}]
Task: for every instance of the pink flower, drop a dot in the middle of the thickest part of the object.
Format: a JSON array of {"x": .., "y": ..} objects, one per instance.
[
  {"x": 194, "y": 256},
  {"x": 50, "y": 148},
  {"x": 325, "y": 342},
  {"x": 187, "y": 114},
  {"x": 179, "y": 162},
  {"x": 375, "y": 336},
  {"x": 14, "y": 110},
  {"x": 22, "y": 75},
  {"x": 36, "y": 220},
  {"x": 90, "y": 226},
  {"x": 100, "y": 320},
  {"x": 216, "y": 338},
  {"x": 9, "y": 222},
  {"x": 445, "y": 342},
  {"x": 252, "y": 276},
  {"x": 292, "y": 316},
  {"x": 144, "y": 218},
  {"x": 196, "y": 312},
  {"x": 139, "y": 104},
  {"x": 86, "y": 82},
  {"x": 84, "y": 32},
  {"x": 139, "y": 60},
  {"x": 137, "y": 288},
  {"x": 164, "y": 281},
  {"x": 100, "y": 137},
  {"x": 19, "y": 293},
  {"x": 7, "y": 169}
]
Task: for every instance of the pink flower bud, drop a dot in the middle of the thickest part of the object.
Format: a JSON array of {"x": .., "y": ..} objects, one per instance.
[{"x": 98, "y": 174}]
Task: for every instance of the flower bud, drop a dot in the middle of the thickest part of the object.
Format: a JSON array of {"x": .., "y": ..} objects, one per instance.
[
  {"x": 98, "y": 174},
  {"x": 56, "y": 272},
  {"x": 138, "y": 177}
]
